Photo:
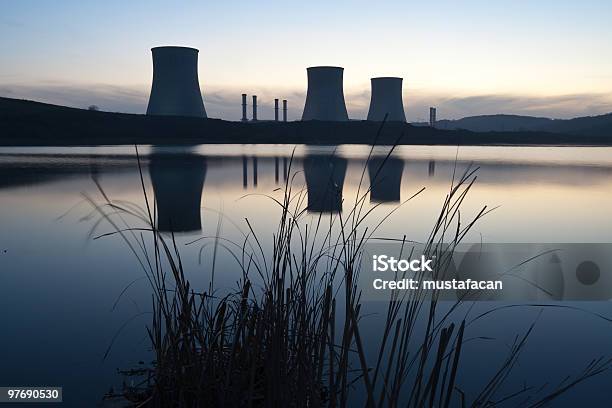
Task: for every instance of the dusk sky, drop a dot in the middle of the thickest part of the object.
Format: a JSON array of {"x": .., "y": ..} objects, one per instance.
[{"x": 545, "y": 58}]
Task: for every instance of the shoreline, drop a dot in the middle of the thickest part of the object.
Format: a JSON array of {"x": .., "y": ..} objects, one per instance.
[
  {"x": 179, "y": 143},
  {"x": 28, "y": 123}
]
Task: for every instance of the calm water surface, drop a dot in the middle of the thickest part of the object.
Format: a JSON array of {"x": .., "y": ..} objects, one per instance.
[{"x": 59, "y": 287}]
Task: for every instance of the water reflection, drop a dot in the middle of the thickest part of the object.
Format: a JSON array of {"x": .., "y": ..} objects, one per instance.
[
  {"x": 431, "y": 171},
  {"x": 28, "y": 169},
  {"x": 324, "y": 181},
  {"x": 178, "y": 180},
  {"x": 385, "y": 179},
  {"x": 18, "y": 170},
  {"x": 62, "y": 267}
]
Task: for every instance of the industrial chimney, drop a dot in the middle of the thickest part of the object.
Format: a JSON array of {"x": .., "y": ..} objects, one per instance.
[
  {"x": 244, "y": 108},
  {"x": 254, "y": 108},
  {"x": 276, "y": 110},
  {"x": 325, "y": 96},
  {"x": 175, "y": 90},
  {"x": 386, "y": 99},
  {"x": 284, "y": 110}
]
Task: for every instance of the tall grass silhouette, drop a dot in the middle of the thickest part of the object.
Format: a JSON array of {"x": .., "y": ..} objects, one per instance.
[{"x": 291, "y": 331}]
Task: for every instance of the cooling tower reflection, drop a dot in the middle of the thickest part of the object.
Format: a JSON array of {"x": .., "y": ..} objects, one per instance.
[
  {"x": 178, "y": 180},
  {"x": 324, "y": 181},
  {"x": 385, "y": 179}
]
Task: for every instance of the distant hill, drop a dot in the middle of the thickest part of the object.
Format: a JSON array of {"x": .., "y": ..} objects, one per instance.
[
  {"x": 32, "y": 123},
  {"x": 496, "y": 123},
  {"x": 589, "y": 125},
  {"x": 585, "y": 126}
]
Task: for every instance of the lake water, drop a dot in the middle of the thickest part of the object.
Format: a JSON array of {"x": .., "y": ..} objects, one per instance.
[{"x": 60, "y": 307}]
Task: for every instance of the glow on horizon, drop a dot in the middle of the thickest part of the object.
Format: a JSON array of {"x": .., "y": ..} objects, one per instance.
[{"x": 444, "y": 49}]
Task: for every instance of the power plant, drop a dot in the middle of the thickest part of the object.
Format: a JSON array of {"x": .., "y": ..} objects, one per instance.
[
  {"x": 325, "y": 95},
  {"x": 386, "y": 100},
  {"x": 175, "y": 89}
]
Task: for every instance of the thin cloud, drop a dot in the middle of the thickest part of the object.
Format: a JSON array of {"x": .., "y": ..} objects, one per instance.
[
  {"x": 225, "y": 102},
  {"x": 562, "y": 106},
  {"x": 108, "y": 97}
]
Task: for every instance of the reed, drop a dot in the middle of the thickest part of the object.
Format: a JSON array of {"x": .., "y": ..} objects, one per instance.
[{"x": 290, "y": 333}]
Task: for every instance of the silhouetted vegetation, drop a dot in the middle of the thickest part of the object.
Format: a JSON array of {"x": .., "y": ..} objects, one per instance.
[
  {"x": 290, "y": 334},
  {"x": 32, "y": 123}
]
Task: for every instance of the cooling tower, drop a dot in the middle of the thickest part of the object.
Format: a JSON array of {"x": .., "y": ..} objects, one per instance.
[
  {"x": 175, "y": 90},
  {"x": 325, "y": 97},
  {"x": 386, "y": 99}
]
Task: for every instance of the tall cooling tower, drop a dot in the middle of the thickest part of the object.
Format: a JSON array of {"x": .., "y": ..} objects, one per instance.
[
  {"x": 325, "y": 96},
  {"x": 386, "y": 99},
  {"x": 175, "y": 90}
]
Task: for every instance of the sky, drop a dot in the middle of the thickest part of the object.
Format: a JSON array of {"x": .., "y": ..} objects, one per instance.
[{"x": 541, "y": 58}]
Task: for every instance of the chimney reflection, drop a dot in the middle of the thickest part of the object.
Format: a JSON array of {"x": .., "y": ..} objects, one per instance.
[
  {"x": 177, "y": 181},
  {"x": 385, "y": 179},
  {"x": 245, "y": 172},
  {"x": 285, "y": 169},
  {"x": 432, "y": 168},
  {"x": 276, "y": 169},
  {"x": 324, "y": 181}
]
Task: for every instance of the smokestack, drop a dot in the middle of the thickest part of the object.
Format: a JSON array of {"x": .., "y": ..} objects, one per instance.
[
  {"x": 244, "y": 108},
  {"x": 284, "y": 110},
  {"x": 254, "y": 108},
  {"x": 276, "y": 110},
  {"x": 432, "y": 117},
  {"x": 386, "y": 99},
  {"x": 175, "y": 89},
  {"x": 325, "y": 96}
]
